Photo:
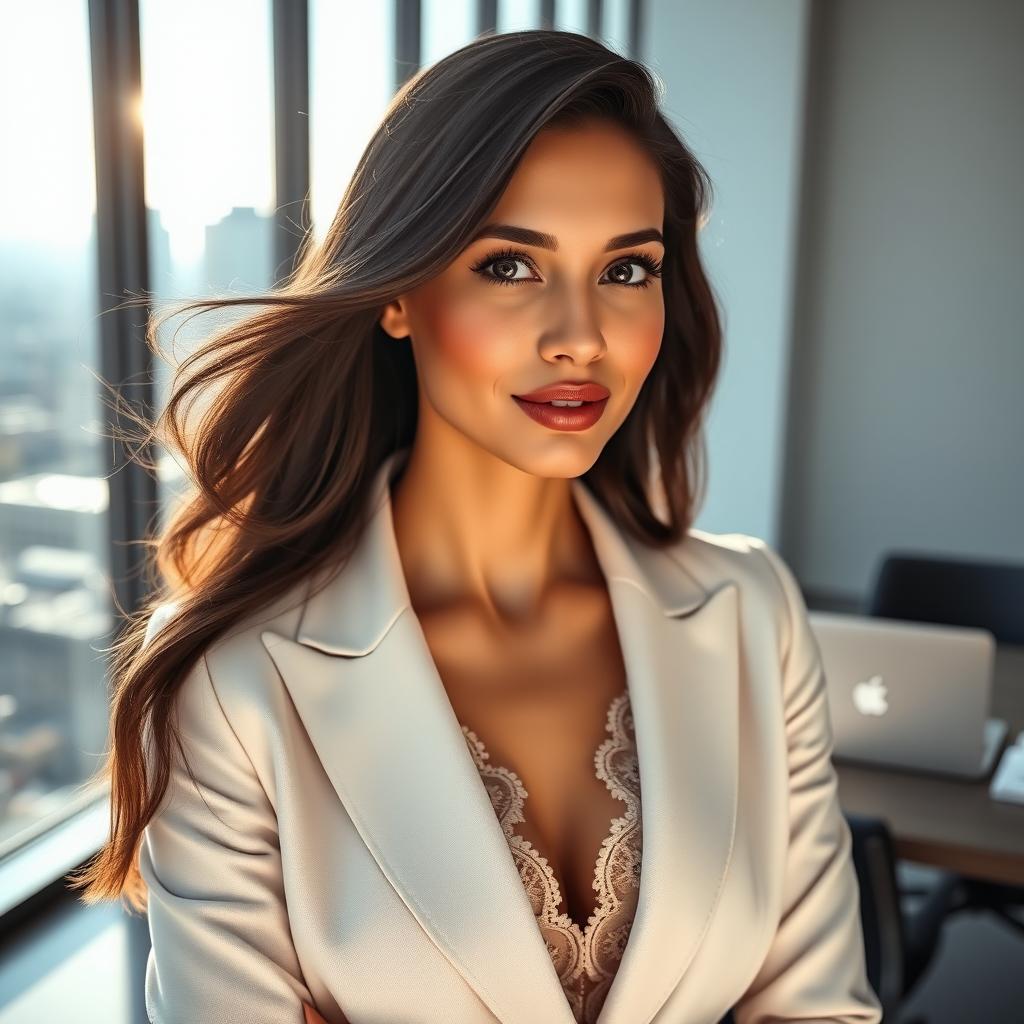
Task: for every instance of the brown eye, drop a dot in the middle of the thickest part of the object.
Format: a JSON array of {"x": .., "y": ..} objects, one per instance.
[
  {"x": 505, "y": 268},
  {"x": 622, "y": 274},
  {"x": 500, "y": 267},
  {"x": 650, "y": 266}
]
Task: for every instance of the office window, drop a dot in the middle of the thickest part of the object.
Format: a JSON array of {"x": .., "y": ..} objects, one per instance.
[
  {"x": 447, "y": 25},
  {"x": 351, "y": 82},
  {"x": 516, "y": 15},
  {"x": 615, "y": 25},
  {"x": 208, "y": 122},
  {"x": 55, "y": 610},
  {"x": 571, "y": 15}
]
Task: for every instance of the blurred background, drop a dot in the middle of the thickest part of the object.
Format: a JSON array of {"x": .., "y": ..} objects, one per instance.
[{"x": 866, "y": 244}]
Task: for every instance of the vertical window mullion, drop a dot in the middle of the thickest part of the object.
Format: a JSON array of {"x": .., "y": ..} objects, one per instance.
[
  {"x": 486, "y": 16},
  {"x": 123, "y": 271},
  {"x": 407, "y": 40},
  {"x": 290, "y": 40}
]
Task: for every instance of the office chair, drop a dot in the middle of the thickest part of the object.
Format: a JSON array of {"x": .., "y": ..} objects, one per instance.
[
  {"x": 899, "y": 944},
  {"x": 955, "y": 592},
  {"x": 958, "y": 592}
]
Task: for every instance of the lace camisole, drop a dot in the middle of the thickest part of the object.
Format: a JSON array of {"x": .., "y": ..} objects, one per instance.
[{"x": 585, "y": 960}]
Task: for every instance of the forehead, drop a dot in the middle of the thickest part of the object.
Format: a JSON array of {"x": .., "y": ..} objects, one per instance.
[{"x": 595, "y": 174}]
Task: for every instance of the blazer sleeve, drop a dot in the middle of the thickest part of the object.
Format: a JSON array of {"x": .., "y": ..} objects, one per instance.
[
  {"x": 221, "y": 944},
  {"x": 815, "y": 968}
]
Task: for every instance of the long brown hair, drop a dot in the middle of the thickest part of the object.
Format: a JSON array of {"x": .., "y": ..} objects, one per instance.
[{"x": 307, "y": 395}]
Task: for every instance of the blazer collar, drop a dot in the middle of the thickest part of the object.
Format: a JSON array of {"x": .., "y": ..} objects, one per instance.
[
  {"x": 370, "y": 612},
  {"x": 368, "y": 693}
]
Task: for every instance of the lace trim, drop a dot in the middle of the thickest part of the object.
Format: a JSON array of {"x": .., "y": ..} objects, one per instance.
[{"x": 585, "y": 960}]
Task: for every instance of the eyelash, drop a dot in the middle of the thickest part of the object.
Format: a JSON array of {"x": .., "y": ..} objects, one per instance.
[{"x": 651, "y": 265}]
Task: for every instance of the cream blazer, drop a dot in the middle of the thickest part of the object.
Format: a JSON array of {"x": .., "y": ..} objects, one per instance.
[{"x": 338, "y": 846}]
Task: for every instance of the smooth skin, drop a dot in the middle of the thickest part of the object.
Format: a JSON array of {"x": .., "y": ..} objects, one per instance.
[
  {"x": 483, "y": 513},
  {"x": 500, "y": 568}
]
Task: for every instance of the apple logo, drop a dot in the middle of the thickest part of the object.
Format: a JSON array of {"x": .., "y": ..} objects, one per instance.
[{"x": 869, "y": 697}]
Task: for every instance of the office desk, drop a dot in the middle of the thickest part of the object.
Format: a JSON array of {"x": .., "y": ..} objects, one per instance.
[{"x": 949, "y": 823}]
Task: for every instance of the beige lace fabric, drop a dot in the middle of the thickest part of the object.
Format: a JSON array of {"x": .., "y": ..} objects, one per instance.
[{"x": 585, "y": 960}]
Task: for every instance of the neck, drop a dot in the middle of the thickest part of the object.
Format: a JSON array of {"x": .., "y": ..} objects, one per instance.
[{"x": 474, "y": 531}]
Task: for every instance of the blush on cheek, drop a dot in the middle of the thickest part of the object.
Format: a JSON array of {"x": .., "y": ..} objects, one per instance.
[
  {"x": 648, "y": 337},
  {"x": 472, "y": 343}
]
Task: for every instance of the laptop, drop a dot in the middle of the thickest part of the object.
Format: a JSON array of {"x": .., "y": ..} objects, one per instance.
[{"x": 910, "y": 695}]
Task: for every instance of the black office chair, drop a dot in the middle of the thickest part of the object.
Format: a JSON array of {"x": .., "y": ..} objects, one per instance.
[
  {"x": 958, "y": 592},
  {"x": 899, "y": 943},
  {"x": 955, "y": 592}
]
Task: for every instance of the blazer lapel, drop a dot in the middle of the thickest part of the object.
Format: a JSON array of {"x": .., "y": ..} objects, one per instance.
[
  {"x": 363, "y": 681},
  {"x": 682, "y": 673}
]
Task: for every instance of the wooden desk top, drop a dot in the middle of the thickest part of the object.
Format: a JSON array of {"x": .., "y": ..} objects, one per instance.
[{"x": 948, "y": 823}]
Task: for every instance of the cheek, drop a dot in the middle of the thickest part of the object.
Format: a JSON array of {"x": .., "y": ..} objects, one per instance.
[
  {"x": 467, "y": 340},
  {"x": 642, "y": 336}
]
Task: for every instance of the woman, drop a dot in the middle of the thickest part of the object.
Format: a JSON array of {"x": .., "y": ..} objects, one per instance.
[{"x": 474, "y": 725}]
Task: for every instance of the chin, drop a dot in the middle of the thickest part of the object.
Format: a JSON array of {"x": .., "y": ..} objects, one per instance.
[{"x": 563, "y": 458}]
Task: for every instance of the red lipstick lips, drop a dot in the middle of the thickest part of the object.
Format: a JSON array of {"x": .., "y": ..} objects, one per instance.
[
  {"x": 568, "y": 391},
  {"x": 592, "y": 398}
]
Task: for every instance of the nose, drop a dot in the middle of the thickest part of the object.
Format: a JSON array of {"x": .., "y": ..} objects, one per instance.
[{"x": 579, "y": 336}]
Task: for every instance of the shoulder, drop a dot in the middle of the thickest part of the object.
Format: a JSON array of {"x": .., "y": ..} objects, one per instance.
[
  {"x": 236, "y": 664},
  {"x": 749, "y": 560},
  {"x": 765, "y": 582},
  {"x": 280, "y": 615},
  {"x": 232, "y": 693}
]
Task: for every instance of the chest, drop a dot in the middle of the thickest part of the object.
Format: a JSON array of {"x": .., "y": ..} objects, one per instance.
[{"x": 539, "y": 700}]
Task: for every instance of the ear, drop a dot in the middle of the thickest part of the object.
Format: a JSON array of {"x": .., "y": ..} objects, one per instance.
[{"x": 394, "y": 319}]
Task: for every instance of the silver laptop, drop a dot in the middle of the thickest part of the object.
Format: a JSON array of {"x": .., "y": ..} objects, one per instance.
[{"x": 910, "y": 695}]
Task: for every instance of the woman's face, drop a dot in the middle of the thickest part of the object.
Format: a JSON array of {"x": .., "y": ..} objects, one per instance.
[{"x": 509, "y": 316}]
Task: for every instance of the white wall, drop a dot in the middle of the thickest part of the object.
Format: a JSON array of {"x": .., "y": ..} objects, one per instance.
[
  {"x": 908, "y": 394},
  {"x": 733, "y": 71},
  {"x": 867, "y": 245}
]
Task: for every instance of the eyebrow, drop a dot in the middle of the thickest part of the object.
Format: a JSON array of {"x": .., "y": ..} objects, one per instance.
[{"x": 527, "y": 236}]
